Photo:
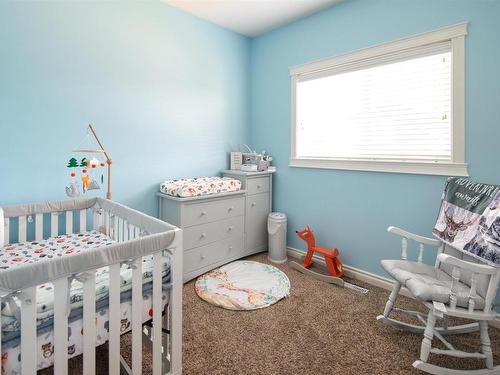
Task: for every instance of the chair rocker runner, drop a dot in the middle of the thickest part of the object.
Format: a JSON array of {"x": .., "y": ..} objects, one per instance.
[{"x": 453, "y": 287}]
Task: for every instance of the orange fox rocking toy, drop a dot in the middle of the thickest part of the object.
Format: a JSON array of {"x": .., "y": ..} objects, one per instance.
[{"x": 333, "y": 263}]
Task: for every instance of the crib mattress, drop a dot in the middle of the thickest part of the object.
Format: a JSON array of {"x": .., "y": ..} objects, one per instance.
[
  {"x": 22, "y": 254},
  {"x": 25, "y": 253},
  {"x": 193, "y": 187}
]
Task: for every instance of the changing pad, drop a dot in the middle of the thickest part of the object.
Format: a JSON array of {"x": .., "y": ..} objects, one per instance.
[{"x": 192, "y": 187}]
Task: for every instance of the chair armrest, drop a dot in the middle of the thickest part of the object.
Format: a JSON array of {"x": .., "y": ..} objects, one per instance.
[
  {"x": 470, "y": 266},
  {"x": 415, "y": 237}
]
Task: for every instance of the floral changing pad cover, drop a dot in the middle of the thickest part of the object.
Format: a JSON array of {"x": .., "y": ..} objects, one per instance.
[
  {"x": 243, "y": 285},
  {"x": 193, "y": 187}
]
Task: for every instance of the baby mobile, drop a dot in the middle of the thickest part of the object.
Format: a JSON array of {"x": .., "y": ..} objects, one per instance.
[{"x": 89, "y": 166}]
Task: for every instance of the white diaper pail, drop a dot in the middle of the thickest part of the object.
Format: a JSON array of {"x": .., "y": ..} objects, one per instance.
[{"x": 276, "y": 227}]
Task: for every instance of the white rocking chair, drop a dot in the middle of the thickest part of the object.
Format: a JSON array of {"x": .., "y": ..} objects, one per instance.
[{"x": 458, "y": 286}]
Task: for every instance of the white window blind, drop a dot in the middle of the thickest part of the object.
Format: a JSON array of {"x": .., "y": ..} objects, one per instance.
[{"x": 396, "y": 107}]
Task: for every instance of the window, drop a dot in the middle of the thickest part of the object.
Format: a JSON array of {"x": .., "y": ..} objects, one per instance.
[{"x": 397, "y": 107}]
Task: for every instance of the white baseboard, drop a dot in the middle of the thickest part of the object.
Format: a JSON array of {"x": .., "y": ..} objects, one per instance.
[{"x": 367, "y": 277}]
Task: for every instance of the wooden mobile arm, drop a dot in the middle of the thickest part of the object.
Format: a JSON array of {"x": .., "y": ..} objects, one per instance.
[{"x": 108, "y": 161}]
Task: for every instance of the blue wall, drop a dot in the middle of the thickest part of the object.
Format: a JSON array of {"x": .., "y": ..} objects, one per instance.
[
  {"x": 166, "y": 92},
  {"x": 352, "y": 209},
  {"x": 170, "y": 94}
]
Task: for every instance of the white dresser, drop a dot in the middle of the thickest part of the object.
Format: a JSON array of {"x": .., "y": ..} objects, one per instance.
[
  {"x": 220, "y": 228},
  {"x": 259, "y": 187}
]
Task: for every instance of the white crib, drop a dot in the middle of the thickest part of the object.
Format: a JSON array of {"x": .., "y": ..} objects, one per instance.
[{"x": 135, "y": 236}]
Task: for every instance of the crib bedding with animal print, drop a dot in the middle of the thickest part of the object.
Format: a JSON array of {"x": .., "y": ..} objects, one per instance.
[
  {"x": 11, "y": 350},
  {"x": 469, "y": 219},
  {"x": 24, "y": 254},
  {"x": 192, "y": 187}
]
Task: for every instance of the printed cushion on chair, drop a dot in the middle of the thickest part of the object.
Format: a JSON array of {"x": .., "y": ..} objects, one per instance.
[{"x": 428, "y": 283}]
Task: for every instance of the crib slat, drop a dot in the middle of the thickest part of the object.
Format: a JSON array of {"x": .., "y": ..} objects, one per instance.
[
  {"x": 61, "y": 326},
  {"x": 96, "y": 220},
  {"x": 114, "y": 319},
  {"x": 22, "y": 229},
  {"x": 175, "y": 306},
  {"x": 54, "y": 224},
  {"x": 107, "y": 222},
  {"x": 137, "y": 317},
  {"x": 157, "y": 308},
  {"x": 125, "y": 230},
  {"x": 69, "y": 222},
  {"x": 89, "y": 331},
  {"x": 83, "y": 221},
  {"x": 119, "y": 232},
  {"x": 6, "y": 233},
  {"x": 116, "y": 229},
  {"x": 38, "y": 227},
  {"x": 28, "y": 331}
]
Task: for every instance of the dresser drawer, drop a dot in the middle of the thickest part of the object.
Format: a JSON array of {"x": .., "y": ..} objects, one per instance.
[
  {"x": 203, "y": 256},
  {"x": 199, "y": 213},
  {"x": 258, "y": 185},
  {"x": 203, "y": 234}
]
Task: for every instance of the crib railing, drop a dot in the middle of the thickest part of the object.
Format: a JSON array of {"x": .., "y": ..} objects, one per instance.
[{"x": 137, "y": 235}]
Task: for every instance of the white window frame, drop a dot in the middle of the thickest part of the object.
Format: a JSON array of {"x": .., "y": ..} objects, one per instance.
[{"x": 457, "y": 167}]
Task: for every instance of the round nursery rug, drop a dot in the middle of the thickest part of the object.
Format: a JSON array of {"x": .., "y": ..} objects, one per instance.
[{"x": 243, "y": 285}]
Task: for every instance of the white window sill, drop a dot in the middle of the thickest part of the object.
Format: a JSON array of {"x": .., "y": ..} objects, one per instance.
[{"x": 429, "y": 168}]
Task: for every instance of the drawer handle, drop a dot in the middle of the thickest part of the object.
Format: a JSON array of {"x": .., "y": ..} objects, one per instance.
[
  {"x": 230, "y": 248},
  {"x": 253, "y": 204},
  {"x": 259, "y": 186},
  {"x": 203, "y": 235},
  {"x": 203, "y": 257},
  {"x": 230, "y": 209},
  {"x": 229, "y": 229},
  {"x": 203, "y": 213}
]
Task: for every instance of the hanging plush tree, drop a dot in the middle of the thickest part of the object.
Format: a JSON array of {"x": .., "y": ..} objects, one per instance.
[
  {"x": 83, "y": 163},
  {"x": 73, "y": 163}
]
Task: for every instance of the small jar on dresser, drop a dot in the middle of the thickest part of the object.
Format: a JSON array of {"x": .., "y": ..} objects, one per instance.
[{"x": 258, "y": 204}]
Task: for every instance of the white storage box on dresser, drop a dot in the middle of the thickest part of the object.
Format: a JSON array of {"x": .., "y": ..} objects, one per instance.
[
  {"x": 258, "y": 186},
  {"x": 213, "y": 228}
]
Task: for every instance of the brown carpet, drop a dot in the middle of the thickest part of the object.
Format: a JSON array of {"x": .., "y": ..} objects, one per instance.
[{"x": 319, "y": 329}]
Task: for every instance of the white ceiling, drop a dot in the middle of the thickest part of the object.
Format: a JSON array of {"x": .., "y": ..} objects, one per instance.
[{"x": 251, "y": 17}]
